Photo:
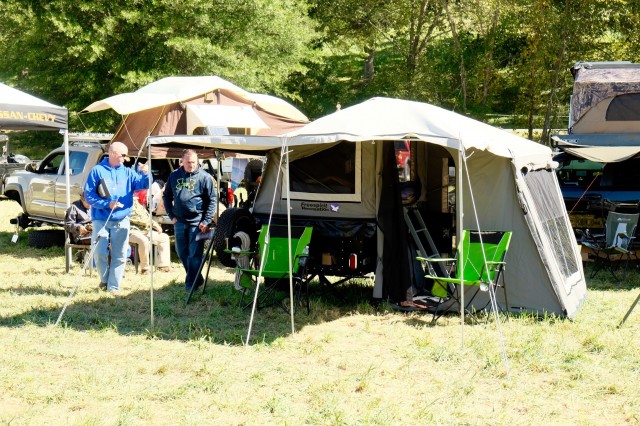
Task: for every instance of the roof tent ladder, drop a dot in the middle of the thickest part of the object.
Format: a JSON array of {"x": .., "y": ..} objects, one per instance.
[{"x": 422, "y": 230}]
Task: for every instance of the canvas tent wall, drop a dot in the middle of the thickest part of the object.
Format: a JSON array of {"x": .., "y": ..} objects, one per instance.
[
  {"x": 512, "y": 184},
  {"x": 160, "y": 108}
]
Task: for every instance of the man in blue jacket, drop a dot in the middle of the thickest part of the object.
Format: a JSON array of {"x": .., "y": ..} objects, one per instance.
[
  {"x": 190, "y": 201},
  {"x": 109, "y": 190}
]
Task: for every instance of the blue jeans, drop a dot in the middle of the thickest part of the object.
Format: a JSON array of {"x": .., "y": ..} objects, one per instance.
[
  {"x": 115, "y": 233},
  {"x": 190, "y": 252}
]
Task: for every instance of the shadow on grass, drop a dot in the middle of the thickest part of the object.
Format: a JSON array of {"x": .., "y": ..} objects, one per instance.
[
  {"x": 621, "y": 281},
  {"x": 22, "y": 250},
  {"x": 214, "y": 315}
]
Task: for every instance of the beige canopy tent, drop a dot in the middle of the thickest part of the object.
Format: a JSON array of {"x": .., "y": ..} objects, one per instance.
[
  {"x": 512, "y": 186},
  {"x": 22, "y": 111},
  {"x": 161, "y": 108}
]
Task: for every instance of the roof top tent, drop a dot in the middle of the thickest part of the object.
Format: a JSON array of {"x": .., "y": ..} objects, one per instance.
[
  {"x": 604, "y": 127},
  {"x": 200, "y": 105},
  {"x": 504, "y": 182},
  {"x": 604, "y": 120}
]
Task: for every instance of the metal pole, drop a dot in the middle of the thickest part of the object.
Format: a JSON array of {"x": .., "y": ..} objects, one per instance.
[
  {"x": 459, "y": 227},
  {"x": 291, "y": 304},
  {"x": 149, "y": 200}
]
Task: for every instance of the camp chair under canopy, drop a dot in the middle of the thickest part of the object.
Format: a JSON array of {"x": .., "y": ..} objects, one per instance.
[
  {"x": 480, "y": 257},
  {"x": 271, "y": 262},
  {"x": 614, "y": 245}
]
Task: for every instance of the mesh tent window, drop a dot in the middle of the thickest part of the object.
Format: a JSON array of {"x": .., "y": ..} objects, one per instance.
[{"x": 549, "y": 206}]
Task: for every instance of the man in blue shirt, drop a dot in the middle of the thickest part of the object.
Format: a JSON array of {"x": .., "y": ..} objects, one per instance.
[
  {"x": 190, "y": 201},
  {"x": 109, "y": 190}
]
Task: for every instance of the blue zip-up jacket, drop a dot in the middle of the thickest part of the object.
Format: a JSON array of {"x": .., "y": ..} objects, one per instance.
[
  {"x": 121, "y": 181},
  {"x": 190, "y": 197}
]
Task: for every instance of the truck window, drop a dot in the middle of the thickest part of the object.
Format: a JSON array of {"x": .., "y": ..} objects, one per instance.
[
  {"x": 51, "y": 165},
  {"x": 77, "y": 161}
]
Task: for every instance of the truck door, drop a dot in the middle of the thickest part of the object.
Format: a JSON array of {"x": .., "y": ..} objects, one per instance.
[{"x": 42, "y": 186}]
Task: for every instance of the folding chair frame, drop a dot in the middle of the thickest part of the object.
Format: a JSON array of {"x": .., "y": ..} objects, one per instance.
[
  {"x": 482, "y": 254},
  {"x": 273, "y": 247},
  {"x": 615, "y": 244}
]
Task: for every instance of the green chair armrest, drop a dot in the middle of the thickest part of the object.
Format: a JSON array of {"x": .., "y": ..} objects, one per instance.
[
  {"x": 239, "y": 252},
  {"x": 436, "y": 259}
]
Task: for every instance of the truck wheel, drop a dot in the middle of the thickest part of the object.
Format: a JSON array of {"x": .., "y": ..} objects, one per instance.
[
  {"x": 46, "y": 238},
  {"x": 230, "y": 222},
  {"x": 22, "y": 221}
]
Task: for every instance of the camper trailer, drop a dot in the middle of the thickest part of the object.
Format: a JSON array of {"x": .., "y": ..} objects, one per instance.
[{"x": 340, "y": 174}]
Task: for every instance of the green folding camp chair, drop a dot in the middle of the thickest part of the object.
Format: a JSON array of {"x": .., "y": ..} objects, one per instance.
[
  {"x": 273, "y": 254},
  {"x": 480, "y": 255}
]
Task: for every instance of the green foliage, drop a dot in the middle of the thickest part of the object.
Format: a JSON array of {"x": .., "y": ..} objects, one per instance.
[
  {"x": 482, "y": 57},
  {"x": 74, "y": 53}
]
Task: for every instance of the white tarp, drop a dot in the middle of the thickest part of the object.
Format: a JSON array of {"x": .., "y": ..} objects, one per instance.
[
  {"x": 204, "y": 115},
  {"x": 22, "y": 111},
  {"x": 177, "y": 89}
]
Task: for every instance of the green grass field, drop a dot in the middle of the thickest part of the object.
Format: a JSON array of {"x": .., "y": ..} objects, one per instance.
[{"x": 349, "y": 363}]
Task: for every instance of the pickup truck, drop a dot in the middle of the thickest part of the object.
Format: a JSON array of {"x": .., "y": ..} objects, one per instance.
[
  {"x": 41, "y": 188},
  {"x": 10, "y": 162}
]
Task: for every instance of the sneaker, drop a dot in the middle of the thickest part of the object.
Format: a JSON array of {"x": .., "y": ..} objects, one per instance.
[
  {"x": 198, "y": 285},
  {"x": 103, "y": 286}
]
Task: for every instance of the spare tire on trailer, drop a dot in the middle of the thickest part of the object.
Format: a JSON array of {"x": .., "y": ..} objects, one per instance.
[
  {"x": 45, "y": 238},
  {"x": 231, "y": 221}
]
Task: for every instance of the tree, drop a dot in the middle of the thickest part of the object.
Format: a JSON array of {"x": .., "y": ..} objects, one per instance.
[{"x": 79, "y": 51}]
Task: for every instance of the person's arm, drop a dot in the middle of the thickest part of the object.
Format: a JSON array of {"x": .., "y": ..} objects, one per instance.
[
  {"x": 141, "y": 177},
  {"x": 209, "y": 201},
  {"x": 91, "y": 191},
  {"x": 70, "y": 224},
  {"x": 167, "y": 198}
]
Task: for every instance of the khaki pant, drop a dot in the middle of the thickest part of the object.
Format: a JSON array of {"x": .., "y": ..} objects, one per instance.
[{"x": 160, "y": 240}]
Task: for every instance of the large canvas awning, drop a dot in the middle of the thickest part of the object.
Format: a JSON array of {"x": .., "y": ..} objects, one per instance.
[
  {"x": 161, "y": 109},
  {"x": 601, "y": 148}
]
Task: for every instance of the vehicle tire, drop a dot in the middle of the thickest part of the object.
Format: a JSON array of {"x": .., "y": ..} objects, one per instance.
[
  {"x": 230, "y": 222},
  {"x": 22, "y": 221},
  {"x": 45, "y": 238}
]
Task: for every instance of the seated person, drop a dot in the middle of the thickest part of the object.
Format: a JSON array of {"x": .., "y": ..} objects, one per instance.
[
  {"x": 140, "y": 218},
  {"x": 77, "y": 221},
  {"x": 157, "y": 203}
]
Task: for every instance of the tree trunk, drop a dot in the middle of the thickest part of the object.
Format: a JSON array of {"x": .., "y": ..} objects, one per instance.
[
  {"x": 458, "y": 46},
  {"x": 369, "y": 62}
]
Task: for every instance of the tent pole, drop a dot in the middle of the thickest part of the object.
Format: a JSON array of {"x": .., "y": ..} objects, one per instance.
[
  {"x": 286, "y": 170},
  {"x": 67, "y": 176},
  {"x": 149, "y": 199},
  {"x": 459, "y": 227}
]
